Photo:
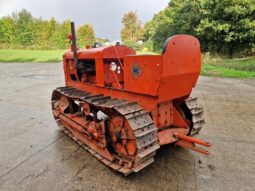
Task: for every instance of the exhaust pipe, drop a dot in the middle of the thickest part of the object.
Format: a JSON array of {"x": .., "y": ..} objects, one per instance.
[{"x": 74, "y": 45}]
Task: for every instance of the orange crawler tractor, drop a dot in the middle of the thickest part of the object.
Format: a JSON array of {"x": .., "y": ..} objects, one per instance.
[{"x": 121, "y": 107}]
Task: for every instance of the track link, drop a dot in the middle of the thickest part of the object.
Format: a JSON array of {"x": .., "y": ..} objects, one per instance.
[{"x": 140, "y": 121}]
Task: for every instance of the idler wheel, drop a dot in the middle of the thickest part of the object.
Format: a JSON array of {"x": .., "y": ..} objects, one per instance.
[{"x": 122, "y": 137}]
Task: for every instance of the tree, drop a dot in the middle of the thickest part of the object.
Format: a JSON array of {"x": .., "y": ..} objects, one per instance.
[
  {"x": 132, "y": 29},
  {"x": 157, "y": 30},
  {"x": 227, "y": 26},
  {"x": 51, "y": 30},
  {"x": 222, "y": 26},
  {"x": 24, "y": 28},
  {"x": 42, "y": 36},
  {"x": 6, "y": 31},
  {"x": 60, "y": 35},
  {"x": 85, "y": 35}
]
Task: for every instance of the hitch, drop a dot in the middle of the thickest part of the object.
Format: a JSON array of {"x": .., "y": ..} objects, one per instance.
[{"x": 189, "y": 143}]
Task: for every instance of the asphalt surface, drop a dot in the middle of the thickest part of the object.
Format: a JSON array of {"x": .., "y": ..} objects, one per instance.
[{"x": 36, "y": 155}]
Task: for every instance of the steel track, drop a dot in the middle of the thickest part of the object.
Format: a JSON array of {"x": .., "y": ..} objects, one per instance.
[
  {"x": 197, "y": 115},
  {"x": 139, "y": 120}
]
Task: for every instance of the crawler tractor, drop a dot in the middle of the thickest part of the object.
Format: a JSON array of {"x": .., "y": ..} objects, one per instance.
[{"x": 121, "y": 107}]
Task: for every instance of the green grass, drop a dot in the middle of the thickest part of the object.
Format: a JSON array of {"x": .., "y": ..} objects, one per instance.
[
  {"x": 235, "y": 68},
  {"x": 209, "y": 70},
  {"x": 243, "y": 64},
  {"x": 31, "y": 55}
]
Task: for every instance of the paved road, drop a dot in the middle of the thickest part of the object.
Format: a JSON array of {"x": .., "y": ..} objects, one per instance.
[{"x": 35, "y": 155}]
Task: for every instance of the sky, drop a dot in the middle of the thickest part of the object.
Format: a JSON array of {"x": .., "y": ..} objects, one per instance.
[{"x": 104, "y": 15}]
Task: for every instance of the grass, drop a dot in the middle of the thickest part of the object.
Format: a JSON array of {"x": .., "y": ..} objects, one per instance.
[
  {"x": 209, "y": 70},
  {"x": 236, "y": 68},
  {"x": 243, "y": 64},
  {"x": 7, "y": 55}
]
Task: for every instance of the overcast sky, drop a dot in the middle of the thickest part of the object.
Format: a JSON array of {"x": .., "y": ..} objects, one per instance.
[{"x": 104, "y": 15}]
